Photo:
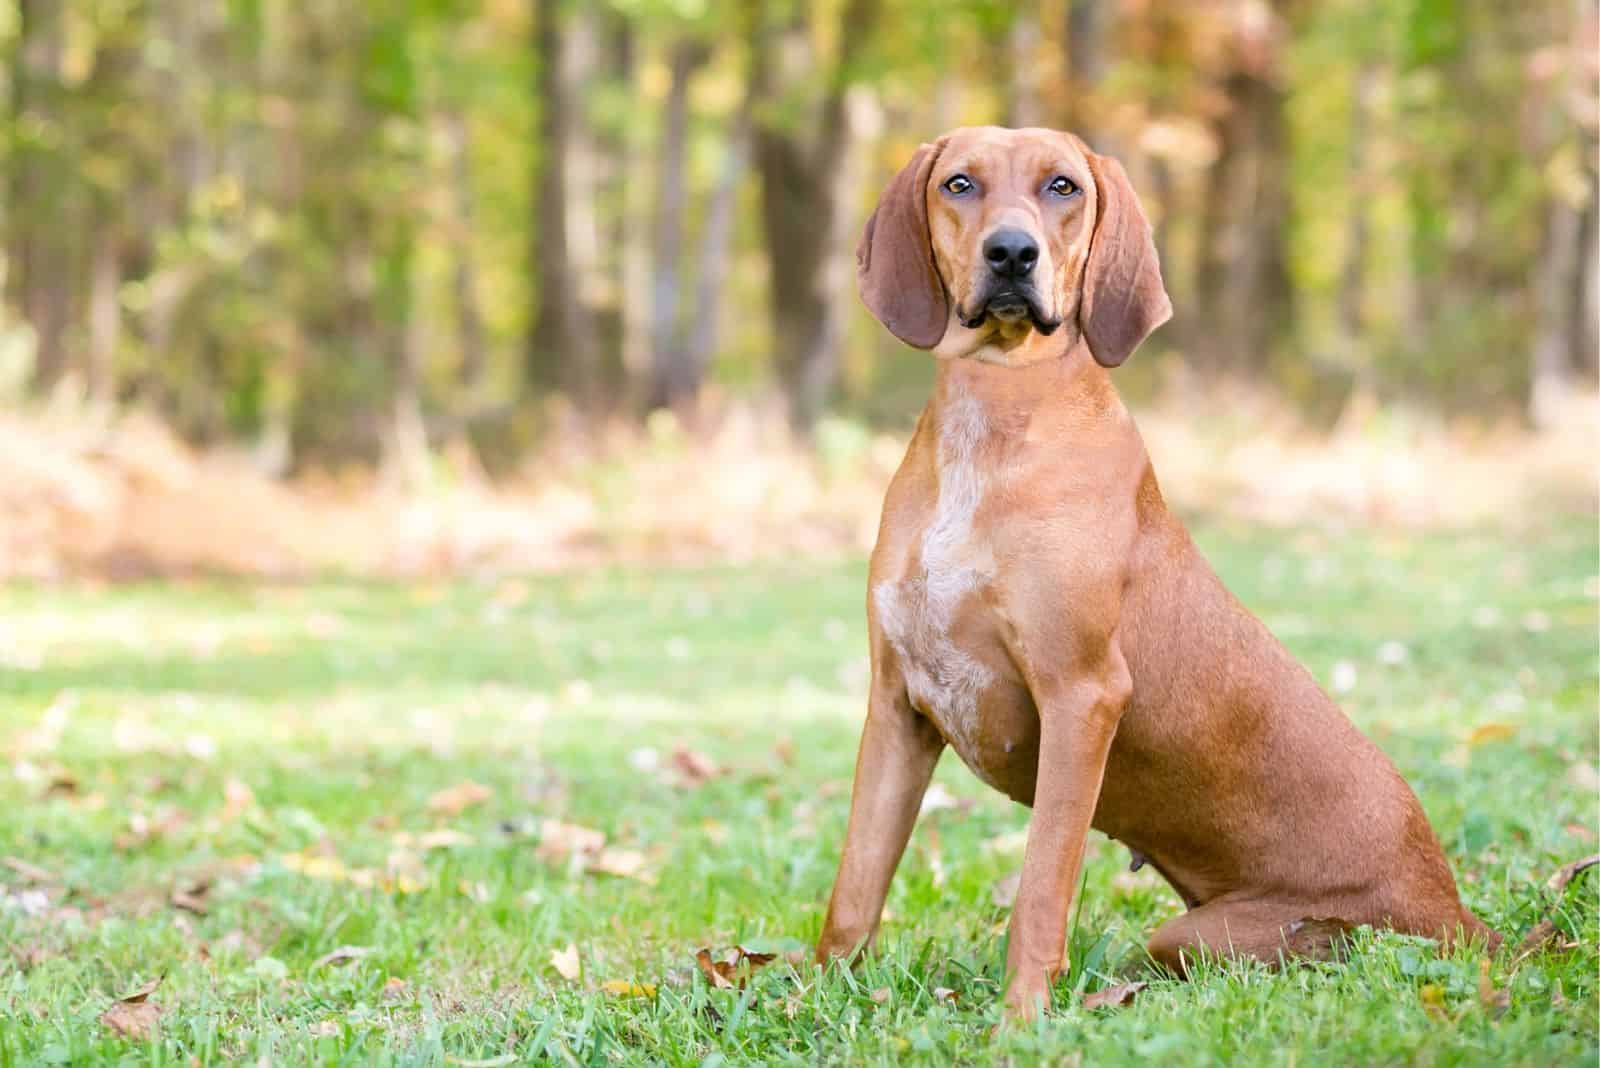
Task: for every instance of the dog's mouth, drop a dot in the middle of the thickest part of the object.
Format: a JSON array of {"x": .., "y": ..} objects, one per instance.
[{"x": 1011, "y": 306}]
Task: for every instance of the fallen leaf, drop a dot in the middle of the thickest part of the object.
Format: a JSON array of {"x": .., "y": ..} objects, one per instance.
[
  {"x": 192, "y": 898},
  {"x": 944, "y": 995},
  {"x": 1568, "y": 872},
  {"x": 133, "y": 1015},
  {"x": 394, "y": 988},
  {"x": 1495, "y": 1000},
  {"x": 1545, "y": 931},
  {"x": 880, "y": 995},
  {"x": 1113, "y": 997},
  {"x": 29, "y": 956},
  {"x": 711, "y": 971},
  {"x": 444, "y": 838},
  {"x": 734, "y": 969},
  {"x": 626, "y": 989},
  {"x": 622, "y": 863},
  {"x": 695, "y": 767},
  {"x": 237, "y": 798},
  {"x": 558, "y": 841},
  {"x": 136, "y": 1020},
  {"x": 341, "y": 956},
  {"x": 1583, "y": 775},
  {"x": 28, "y": 870},
  {"x": 1004, "y": 891},
  {"x": 1491, "y": 732},
  {"x": 565, "y": 962},
  {"x": 62, "y": 784},
  {"x": 454, "y": 800}
]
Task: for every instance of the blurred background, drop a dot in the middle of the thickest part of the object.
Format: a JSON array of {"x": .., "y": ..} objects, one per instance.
[{"x": 432, "y": 285}]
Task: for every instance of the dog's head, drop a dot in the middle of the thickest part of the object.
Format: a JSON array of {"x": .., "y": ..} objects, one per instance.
[{"x": 989, "y": 236}]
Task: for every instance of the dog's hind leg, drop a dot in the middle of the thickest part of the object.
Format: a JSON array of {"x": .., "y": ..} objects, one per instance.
[{"x": 1268, "y": 931}]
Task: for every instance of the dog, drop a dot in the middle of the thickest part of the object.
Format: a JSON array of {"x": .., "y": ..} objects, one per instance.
[{"x": 1034, "y": 605}]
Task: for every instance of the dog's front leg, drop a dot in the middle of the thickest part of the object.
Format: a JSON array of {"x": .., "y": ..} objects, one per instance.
[
  {"x": 1077, "y": 720},
  {"x": 899, "y": 749}
]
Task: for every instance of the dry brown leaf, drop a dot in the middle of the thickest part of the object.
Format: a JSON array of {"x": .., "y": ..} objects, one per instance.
[
  {"x": 192, "y": 898},
  {"x": 341, "y": 955},
  {"x": 565, "y": 962},
  {"x": 29, "y": 871},
  {"x": 133, "y": 1015},
  {"x": 237, "y": 799},
  {"x": 454, "y": 800},
  {"x": 880, "y": 995},
  {"x": 1545, "y": 931},
  {"x": 443, "y": 838},
  {"x": 944, "y": 995},
  {"x": 1113, "y": 997},
  {"x": 29, "y": 956},
  {"x": 63, "y": 783},
  {"x": 1495, "y": 1000},
  {"x": 1568, "y": 872},
  {"x": 735, "y": 967},
  {"x": 136, "y": 1020},
  {"x": 558, "y": 841},
  {"x": 622, "y": 863},
  {"x": 695, "y": 767},
  {"x": 624, "y": 988}
]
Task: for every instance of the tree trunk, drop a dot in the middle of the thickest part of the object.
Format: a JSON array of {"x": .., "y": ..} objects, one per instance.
[
  {"x": 715, "y": 240},
  {"x": 464, "y": 277},
  {"x": 1353, "y": 269},
  {"x": 557, "y": 356},
  {"x": 801, "y": 198},
  {"x": 105, "y": 313},
  {"x": 1243, "y": 293},
  {"x": 1088, "y": 52},
  {"x": 41, "y": 256},
  {"x": 673, "y": 381}
]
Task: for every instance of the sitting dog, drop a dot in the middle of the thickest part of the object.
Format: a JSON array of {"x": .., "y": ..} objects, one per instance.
[{"x": 1035, "y": 606}]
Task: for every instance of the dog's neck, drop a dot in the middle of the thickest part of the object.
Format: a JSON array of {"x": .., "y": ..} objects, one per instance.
[{"x": 1055, "y": 374}]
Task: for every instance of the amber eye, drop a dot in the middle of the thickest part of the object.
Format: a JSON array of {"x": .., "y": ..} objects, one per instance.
[
  {"x": 1062, "y": 186},
  {"x": 958, "y": 185}
]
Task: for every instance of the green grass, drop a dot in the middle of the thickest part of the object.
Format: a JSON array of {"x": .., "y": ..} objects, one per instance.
[{"x": 344, "y": 707}]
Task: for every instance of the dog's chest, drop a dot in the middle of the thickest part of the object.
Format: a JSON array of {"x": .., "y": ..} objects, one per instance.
[{"x": 931, "y": 612}]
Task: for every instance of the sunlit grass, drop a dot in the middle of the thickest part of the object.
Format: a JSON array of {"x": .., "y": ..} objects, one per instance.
[{"x": 281, "y": 745}]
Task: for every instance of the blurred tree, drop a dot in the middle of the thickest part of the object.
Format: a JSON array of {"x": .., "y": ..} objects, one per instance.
[
  {"x": 802, "y": 131},
  {"x": 332, "y": 230}
]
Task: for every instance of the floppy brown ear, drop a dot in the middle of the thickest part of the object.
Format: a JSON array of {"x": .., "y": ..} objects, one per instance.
[
  {"x": 1123, "y": 295},
  {"x": 894, "y": 261}
]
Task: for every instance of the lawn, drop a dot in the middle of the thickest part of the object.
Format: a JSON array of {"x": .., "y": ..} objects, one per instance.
[{"x": 350, "y": 823}]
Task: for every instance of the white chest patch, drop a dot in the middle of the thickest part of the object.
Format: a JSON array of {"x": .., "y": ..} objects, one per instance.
[{"x": 917, "y": 613}]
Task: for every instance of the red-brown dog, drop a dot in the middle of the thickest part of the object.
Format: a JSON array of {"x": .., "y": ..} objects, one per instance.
[{"x": 1035, "y": 606}]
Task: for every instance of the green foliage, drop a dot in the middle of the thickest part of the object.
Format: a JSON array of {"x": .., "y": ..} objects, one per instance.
[{"x": 285, "y": 205}]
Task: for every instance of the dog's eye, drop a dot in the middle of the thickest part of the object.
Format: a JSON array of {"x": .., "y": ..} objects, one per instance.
[
  {"x": 1062, "y": 186},
  {"x": 957, "y": 184}
]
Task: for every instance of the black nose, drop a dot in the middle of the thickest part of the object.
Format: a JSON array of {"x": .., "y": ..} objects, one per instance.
[{"x": 1011, "y": 253}]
